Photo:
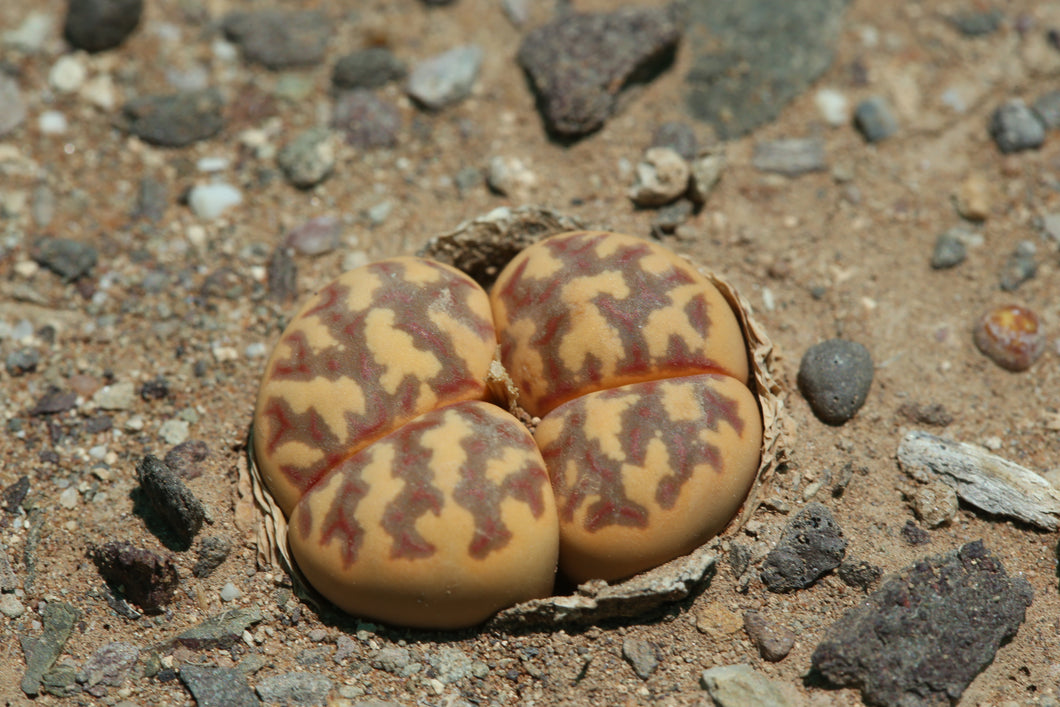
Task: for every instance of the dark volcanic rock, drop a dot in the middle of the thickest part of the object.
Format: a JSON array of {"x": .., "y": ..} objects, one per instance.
[
  {"x": 97, "y": 25},
  {"x": 924, "y": 635},
  {"x": 171, "y": 498},
  {"x": 859, "y": 573},
  {"x": 177, "y": 119},
  {"x": 811, "y": 545},
  {"x": 279, "y": 39},
  {"x": 212, "y": 552},
  {"x": 749, "y": 59},
  {"x": 367, "y": 68},
  {"x": 144, "y": 578},
  {"x": 579, "y": 63}
]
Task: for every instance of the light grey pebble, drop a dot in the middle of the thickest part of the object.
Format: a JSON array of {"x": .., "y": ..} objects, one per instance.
[
  {"x": 42, "y": 207},
  {"x": 379, "y": 213},
  {"x": 642, "y": 655},
  {"x": 12, "y": 107},
  {"x": 875, "y": 120},
  {"x": 1047, "y": 107},
  {"x": 706, "y": 172},
  {"x": 447, "y": 78},
  {"x": 65, "y": 257},
  {"x": 1050, "y": 225},
  {"x": 467, "y": 178},
  {"x": 508, "y": 175},
  {"x": 660, "y": 177},
  {"x": 309, "y": 158},
  {"x": 278, "y": 38},
  {"x": 173, "y": 431},
  {"x": 30, "y": 36},
  {"x": 392, "y": 660},
  {"x": 670, "y": 217},
  {"x": 450, "y": 664},
  {"x": 317, "y": 635},
  {"x": 316, "y": 236},
  {"x": 741, "y": 686},
  {"x": 116, "y": 396},
  {"x": 834, "y": 377},
  {"x": 295, "y": 688},
  {"x": 230, "y": 592},
  {"x": 209, "y": 201},
  {"x": 773, "y": 641},
  {"x": 790, "y": 156},
  {"x": 22, "y": 361},
  {"x": 10, "y": 606},
  {"x": 517, "y": 11},
  {"x": 1021, "y": 265},
  {"x": 949, "y": 251},
  {"x": 344, "y": 648},
  {"x": 1015, "y": 127}
]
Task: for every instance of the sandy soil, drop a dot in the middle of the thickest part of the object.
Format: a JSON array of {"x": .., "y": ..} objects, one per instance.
[{"x": 863, "y": 232}]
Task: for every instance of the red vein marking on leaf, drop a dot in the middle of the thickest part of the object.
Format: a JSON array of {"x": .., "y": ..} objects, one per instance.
[
  {"x": 418, "y": 496},
  {"x": 341, "y": 519}
]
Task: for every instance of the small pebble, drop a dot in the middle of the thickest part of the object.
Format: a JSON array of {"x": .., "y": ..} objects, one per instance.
[
  {"x": 117, "y": 396},
  {"x": 173, "y": 431},
  {"x": 145, "y": 578},
  {"x": 935, "y": 504},
  {"x": 914, "y": 535},
  {"x": 977, "y": 23},
  {"x": 67, "y": 74},
  {"x": 1010, "y": 336},
  {"x": 212, "y": 552},
  {"x": 365, "y": 120},
  {"x": 295, "y": 688},
  {"x": 1016, "y": 127},
  {"x": 367, "y": 68},
  {"x": 69, "y": 497},
  {"x": 973, "y": 198},
  {"x": 65, "y": 257},
  {"x": 316, "y": 236},
  {"x": 379, "y": 213},
  {"x": 833, "y": 106},
  {"x": 510, "y": 176},
  {"x": 98, "y": 25},
  {"x": 31, "y": 35},
  {"x": 209, "y": 201},
  {"x": 811, "y": 545},
  {"x": 12, "y": 106},
  {"x": 949, "y": 252},
  {"x": 52, "y": 122},
  {"x": 773, "y": 641},
  {"x": 858, "y": 573},
  {"x": 175, "y": 120},
  {"x": 445, "y": 79},
  {"x": 790, "y": 156},
  {"x": 308, "y": 159},
  {"x": 706, "y": 171},
  {"x": 230, "y": 592},
  {"x": 670, "y": 217},
  {"x": 834, "y": 377},
  {"x": 22, "y": 361},
  {"x": 660, "y": 177},
  {"x": 1019, "y": 267},
  {"x": 10, "y": 606},
  {"x": 642, "y": 656},
  {"x": 875, "y": 120},
  {"x": 170, "y": 498},
  {"x": 279, "y": 39}
]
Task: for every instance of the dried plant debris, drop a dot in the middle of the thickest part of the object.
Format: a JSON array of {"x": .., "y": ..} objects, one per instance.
[
  {"x": 981, "y": 479},
  {"x": 923, "y": 636}
]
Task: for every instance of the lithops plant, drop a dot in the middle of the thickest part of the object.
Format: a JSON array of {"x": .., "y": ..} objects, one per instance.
[
  {"x": 639, "y": 368},
  {"x": 409, "y": 502}
]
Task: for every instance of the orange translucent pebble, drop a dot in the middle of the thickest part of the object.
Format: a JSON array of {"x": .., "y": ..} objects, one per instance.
[
  {"x": 438, "y": 525},
  {"x": 647, "y": 472},
  {"x": 589, "y": 310},
  {"x": 375, "y": 348}
]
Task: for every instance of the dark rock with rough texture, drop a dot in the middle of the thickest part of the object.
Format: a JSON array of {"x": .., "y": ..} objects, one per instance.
[
  {"x": 811, "y": 545},
  {"x": 1015, "y": 127},
  {"x": 176, "y": 119},
  {"x": 923, "y": 636},
  {"x": 914, "y": 534},
  {"x": 141, "y": 576},
  {"x": 772, "y": 640},
  {"x": 218, "y": 687},
  {"x": 155, "y": 389},
  {"x": 58, "y": 621},
  {"x": 69, "y": 259},
  {"x": 750, "y": 58},
  {"x": 184, "y": 458},
  {"x": 579, "y": 63},
  {"x": 834, "y": 377},
  {"x": 110, "y": 665},
  {"x": 221, "y": 631},
  {"x": 859, "y": 573},
  {"x": 367, "y": 68},
  {"x": 98, "y": 25},
  {"x": 212, "y": 551},
  {"x": 54, "y": 401},
  {"x": 174, "y": 502},
  {"x": 279, "y": 39},
  {"x": 366, "y": 121},
  {"x": 874, "y": 119}
]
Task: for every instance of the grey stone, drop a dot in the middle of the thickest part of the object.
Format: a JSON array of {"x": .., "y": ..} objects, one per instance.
[
  {"x": 365, "y": 120},
  {"x": 12, "y": 106},
  {"x": 741, "y": 685},
  {"x": 97, "y": 25},
  {"x": 679, "y": 137},
  {"x": 445, "y": 79},
  {"x": 281, "y": 276},
  {"x": 924, "y": 635},
  {"x": 22, "y": 361},
  {"x": 67, "y": 258},
  {"x": 949, "y": 252},
  {"x": 392, "y": 660},
  {"x": 279, "y": 39},
  {"x": 151, "y": 200},
  {"x": 579, "y": 63},
  {"x": 171, "y": 499},
  {"x": 750, "y": 58},
  {"x": 42, "y": 206},
  {"x": 212, "y": 551},
  {"x": 1047, "y": 107},
  {"x": 218, "y": 687},
  {"x": 61, "y": 680},
  {"x": 295, "y": 688},
  {"x": 669, "y": 217},
  {"x": 1019, "y": 267},
  {"x": 706, "y": 171},
  {"x": 811, "y": 545},
  {"x": 772, "y": 640},
  {"x": 58, "y": 620},
  {"x": 1015, "y": 127},
  {"x": 176, "y": 119},
  {"x": 308, "y": 159},
  {"x": 367, "y": 68},
  {"x": 316, "y": 236},
  {"x": 977, "y": 23},
  {"x": 110, "y": 665},
  {"x": 858, "y": 573},
  {"x": 642, "y": 656},
  {"x": 834, "y": 377},
  {"x": 450, "y": 664},
  {"x": 221, "y": 631},
  {"x": 875, "y": 120},
  {"x": 790, "y": 156},
  {"x": 10, "y": 606}
]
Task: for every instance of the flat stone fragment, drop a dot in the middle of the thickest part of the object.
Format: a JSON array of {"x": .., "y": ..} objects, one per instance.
[
  {"x": 109, "y": 665},
  {"x": 367, "y": 68},
  {"x": 445, "y": 79},
  {"x": 295, "y": 688},
  {"x": 218, "y": 687},
  {"x": 40, "y": 653},
  {"x": 642, "y": 656},
  {"x": 220, "y": 631},
  {"x": 279, "y": 39},
  {"x": 1015, "y": 127},
  {"x": 175, "y": 120},
  {"x": 67, "y": 258},
  {"x": 741, "y": 686},
  {"x": 579, "y": 63},
  {"x": 97, "y": 25},
  {"x": 811, "y": 545},
  {"x": 174, "y": 502},
  {"x": 750, "y": 58},
  {"x": 981, "y": 479},
  {"x": 790, "y": 157},
  {"x": 923, "y": 636}
]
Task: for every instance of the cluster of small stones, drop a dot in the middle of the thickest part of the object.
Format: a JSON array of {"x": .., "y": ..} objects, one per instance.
[{"x": 415, "y": 499}]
